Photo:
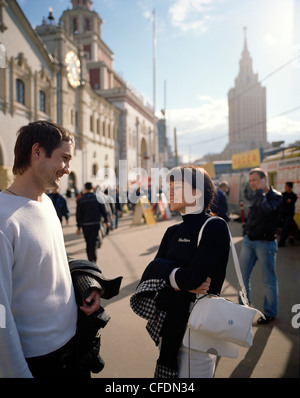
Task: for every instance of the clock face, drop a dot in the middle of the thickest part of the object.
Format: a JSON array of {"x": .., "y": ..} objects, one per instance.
[{"x": 73, "y": 69}]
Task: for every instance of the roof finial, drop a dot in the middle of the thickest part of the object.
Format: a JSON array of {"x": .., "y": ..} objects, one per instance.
[
  {"x": 245, "y": 39},
  {"x": 50, "y": 16}
]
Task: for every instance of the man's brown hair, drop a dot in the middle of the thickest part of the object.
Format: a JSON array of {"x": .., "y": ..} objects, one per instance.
[
  {"x": 48, "y": 134},
  {"x": 259, "y": 171}
]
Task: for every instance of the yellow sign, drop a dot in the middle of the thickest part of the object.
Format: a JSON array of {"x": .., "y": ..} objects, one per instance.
[
  {"x": 142, "y": 209},
  {"x": 210, "y": 168},
  {"x": 246, "y": 160}
]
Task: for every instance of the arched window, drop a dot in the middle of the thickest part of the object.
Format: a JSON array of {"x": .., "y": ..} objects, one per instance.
[
  {"x": 42, "y": 101},
  {"x": 20, "y": 97},
  {"x": 75, "y": 29},
  {"x": 94, "y": 169}
]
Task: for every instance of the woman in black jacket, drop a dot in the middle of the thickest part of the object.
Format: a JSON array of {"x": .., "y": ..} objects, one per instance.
[{"x": 186, "y": 269}]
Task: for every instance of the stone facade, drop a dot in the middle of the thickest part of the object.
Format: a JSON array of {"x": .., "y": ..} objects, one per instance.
[{"x": 50, "y": 73}]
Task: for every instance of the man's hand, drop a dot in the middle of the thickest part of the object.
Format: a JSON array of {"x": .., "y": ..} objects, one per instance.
[
  {"x": 92, "y": 303},
  {"x": 262, "y": 184},
  {"x": 203, "y": 289}
]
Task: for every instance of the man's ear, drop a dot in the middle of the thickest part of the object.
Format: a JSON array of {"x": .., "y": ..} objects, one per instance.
[{"x": 36, "y": 150}]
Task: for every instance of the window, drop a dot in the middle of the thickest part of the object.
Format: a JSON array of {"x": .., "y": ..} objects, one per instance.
[
  {"x": 20, "y": 91},
  {"x": 42, "y": 101},
  {"x": 75, "y": 30},
  {"x": 94, "y": 169},
  {"x": 87, "y": 26}
]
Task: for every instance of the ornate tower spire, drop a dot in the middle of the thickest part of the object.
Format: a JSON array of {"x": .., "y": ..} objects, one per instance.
[
  {"x": 245, "y": 41},
  {"x": 246, "y": 75},
  {"x": 82, "y": 4}
]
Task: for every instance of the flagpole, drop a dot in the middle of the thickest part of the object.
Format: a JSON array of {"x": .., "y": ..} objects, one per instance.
[{"x": 154, "y": 88}]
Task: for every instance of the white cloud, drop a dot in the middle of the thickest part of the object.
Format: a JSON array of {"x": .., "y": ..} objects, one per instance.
[
  {"x": 210, "y": 116},
  {"x": 283, "y": 128},
  {"x": 200, "y": 130},
  {"x": 192, "y": 15},
  {"x": 269, "y": 39}
]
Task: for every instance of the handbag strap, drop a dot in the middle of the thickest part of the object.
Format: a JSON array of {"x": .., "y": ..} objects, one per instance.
[{"x": 242, "y": 292}]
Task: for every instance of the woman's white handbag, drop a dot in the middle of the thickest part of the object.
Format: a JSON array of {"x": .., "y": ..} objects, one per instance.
[{"x": 218, "y": 326}]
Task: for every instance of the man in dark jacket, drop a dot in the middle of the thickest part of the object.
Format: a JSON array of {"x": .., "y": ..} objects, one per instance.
[
  {"x": 88, "y": 216},
  {"x": 260, "y": 240},
  {"x": 287, "y": 211},
  {"x": 220, "y": 205},
  {"x": 60, "y": 205}
]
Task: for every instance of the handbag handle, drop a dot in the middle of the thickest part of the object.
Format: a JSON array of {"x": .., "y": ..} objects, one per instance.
[{"x": 242, "y": 292}]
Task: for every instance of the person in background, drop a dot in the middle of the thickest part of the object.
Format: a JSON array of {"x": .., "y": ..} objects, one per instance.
[
  {"x": 60, "y": 205},
  {"x": 88, "y": 217},
  {"x": 220, "y": 204},
  {"x": 259, "y": 243},
  {"x": 111, "y": 209},
  {"x": 118, "y": 208},
  {"x": 287, "y": 212}
]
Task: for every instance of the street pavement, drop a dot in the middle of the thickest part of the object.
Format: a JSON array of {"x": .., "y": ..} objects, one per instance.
[{"x": 128, "y": 350}]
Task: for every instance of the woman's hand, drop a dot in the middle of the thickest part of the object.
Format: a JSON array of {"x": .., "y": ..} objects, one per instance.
[{"x": 203, "y": 289}]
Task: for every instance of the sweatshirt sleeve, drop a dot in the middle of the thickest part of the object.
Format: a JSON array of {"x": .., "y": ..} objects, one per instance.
[{"x": 12, "y": 361}]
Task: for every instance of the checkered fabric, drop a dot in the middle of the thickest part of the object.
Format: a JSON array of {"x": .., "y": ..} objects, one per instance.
[
  {"x": 143, "y": 303},
  {"x": 164, "y": 372},
  {"x": 84, "y": 284}
]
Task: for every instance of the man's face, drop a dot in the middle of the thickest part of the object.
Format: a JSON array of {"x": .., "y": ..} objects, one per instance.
[
  {"x": 51, "y": 170},
  {"x": 288, "y": 189},
  {"x": 254, "y": 181}
]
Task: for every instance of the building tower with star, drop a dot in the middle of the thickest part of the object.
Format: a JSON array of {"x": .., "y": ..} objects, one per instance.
[{"x": 247, "y": 109}]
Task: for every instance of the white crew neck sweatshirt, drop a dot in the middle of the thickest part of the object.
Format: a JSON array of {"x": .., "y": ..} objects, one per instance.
[{"x": 35, "y": 284}]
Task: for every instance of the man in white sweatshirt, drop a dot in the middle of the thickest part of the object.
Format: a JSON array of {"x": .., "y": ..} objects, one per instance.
[{"x": 36, "y": 290}]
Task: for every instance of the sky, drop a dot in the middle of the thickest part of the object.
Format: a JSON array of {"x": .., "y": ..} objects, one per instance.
[{"x": 198, "y": 48}]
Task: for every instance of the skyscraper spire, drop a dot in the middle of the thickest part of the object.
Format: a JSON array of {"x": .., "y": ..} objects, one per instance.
[
  {"x": 245, "y": 74},
  {"x": 245, "y": 40}
]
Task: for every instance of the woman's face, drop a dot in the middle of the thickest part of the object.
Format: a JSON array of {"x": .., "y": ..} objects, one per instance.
[{"x": 179, "y": 196}]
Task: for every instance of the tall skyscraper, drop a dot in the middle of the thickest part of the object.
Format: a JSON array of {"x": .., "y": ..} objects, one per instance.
[{"x": 247, "y": 109}]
